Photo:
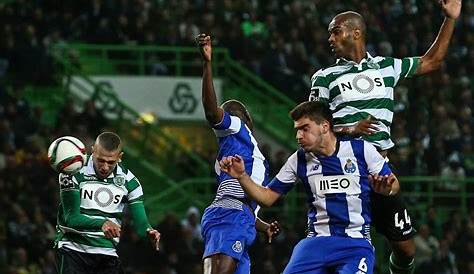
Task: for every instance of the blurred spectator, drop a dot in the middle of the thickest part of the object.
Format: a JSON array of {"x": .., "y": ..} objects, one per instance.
[
  {"x": 284, "y": 42},
  {"x": 192, "y": 222},
  {"x": 452, "y": 172},
  {"x": 426, "y": 246},
  {"x": 445, "y": 260}
]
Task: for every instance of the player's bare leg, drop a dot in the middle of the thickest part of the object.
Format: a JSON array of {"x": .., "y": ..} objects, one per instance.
[
  {"x": 219, "y": 264},
  {"x": 402, "y": 257}
]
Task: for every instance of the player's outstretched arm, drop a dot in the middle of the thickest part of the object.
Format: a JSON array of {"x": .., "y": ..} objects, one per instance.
[
  {"x": 434, "y": 56},
  {"x": 235, "y": 167},
  {"x": 73, "y": 218},
  {"x": 71, "y": 202},
  {"x": 271, "y": 229},
  {"x": 213, "y": 113},
  {"x": 385, "y": 184}
]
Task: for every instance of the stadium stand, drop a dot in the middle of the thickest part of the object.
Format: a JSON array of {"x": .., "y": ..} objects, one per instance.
[{"x": 432, "y": 130}]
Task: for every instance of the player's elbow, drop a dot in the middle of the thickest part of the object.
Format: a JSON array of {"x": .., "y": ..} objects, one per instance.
[
  {"x": 434, "y": 66},
  {"x": 429, "y": 64},
  {"x": 70, "y": 220},
  {"x": 270, "y": 198},
  {"x": 266, "y": 203},
  {"x": 212, "y": 117}
]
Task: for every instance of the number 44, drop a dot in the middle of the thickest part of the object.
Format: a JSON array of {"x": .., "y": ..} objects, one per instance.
[{"x": 400, "y": 223}]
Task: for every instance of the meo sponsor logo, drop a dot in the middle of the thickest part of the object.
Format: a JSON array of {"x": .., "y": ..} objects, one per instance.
[{"x": 322, "y": 185}]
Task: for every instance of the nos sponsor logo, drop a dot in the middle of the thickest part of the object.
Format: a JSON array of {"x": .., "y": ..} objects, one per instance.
[
  {"x": 102, "y": 196},
  {"x": 361, "y": 83}
]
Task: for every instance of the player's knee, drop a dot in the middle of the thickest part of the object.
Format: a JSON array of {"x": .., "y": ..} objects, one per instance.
[
  {"x": 225, "y": 268},
  {"x": 222, "y": 269},
  {"x": 404, "y": 250}
]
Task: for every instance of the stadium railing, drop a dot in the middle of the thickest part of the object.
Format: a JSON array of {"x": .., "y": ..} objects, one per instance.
[
  {"x": 419, "y": 192},
  {"x": 269, "y": 107},
  {"x": 126, "y": 120},
  {"x": 151, "y": 153}
]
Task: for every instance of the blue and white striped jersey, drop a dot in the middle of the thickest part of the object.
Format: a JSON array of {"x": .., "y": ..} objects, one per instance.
[
  {"x": 234, "y": 137},
  {"x": 337, "y": 187}
]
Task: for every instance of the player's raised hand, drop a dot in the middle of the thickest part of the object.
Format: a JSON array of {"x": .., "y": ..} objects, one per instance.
[
  {"x": 383, "y": 184},
  {"x": 365, "y": 127},
  {"x": 204, "y": 43},
  {"x": 272, "y": 231},
  {"x": 451, "y": 8},
  {"x": 111, "y": 230},
  {"x": 233, "y": 165},
  {"x": 154, "y": 237}
]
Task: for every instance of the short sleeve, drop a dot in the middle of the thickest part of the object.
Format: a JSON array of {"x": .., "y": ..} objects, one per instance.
[
  {"x": 229, "y": 125},
  {"x": 405, "y": 67},
  {"x": 376, "y": 163},
  {"x": 286, "y": 177},
  {"x": 319, "y": 88}
]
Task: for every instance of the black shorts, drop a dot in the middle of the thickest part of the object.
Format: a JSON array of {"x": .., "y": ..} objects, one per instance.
[
  {"x": 391, "y": 218},
  {"x": 74, "y": 262}
]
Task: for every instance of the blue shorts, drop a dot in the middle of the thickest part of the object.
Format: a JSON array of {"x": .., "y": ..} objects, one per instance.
[
  {"x": 335, "y": 255},
  {"x": 229, "y": 232}
]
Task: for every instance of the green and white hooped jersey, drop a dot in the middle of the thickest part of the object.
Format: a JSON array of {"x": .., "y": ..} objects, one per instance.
[
  {"x": 99, "y": 199},
  {"x": 355, "y": 91}
]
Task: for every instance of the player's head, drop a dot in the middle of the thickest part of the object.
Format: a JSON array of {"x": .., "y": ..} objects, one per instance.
[
  {"x": 347, "y": 31},
  {"x": 236, "y": 108},
  {"x": 106, "y": 153},
  {"x": 313, "y": 124}
]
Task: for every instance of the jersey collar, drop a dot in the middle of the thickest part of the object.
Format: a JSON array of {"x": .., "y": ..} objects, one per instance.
[
  {"x": 367, "y": 59},
  {"x": 91, "y": 171}
]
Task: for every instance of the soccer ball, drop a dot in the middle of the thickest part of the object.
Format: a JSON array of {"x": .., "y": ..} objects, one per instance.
[{"x": 67, "y": 155}]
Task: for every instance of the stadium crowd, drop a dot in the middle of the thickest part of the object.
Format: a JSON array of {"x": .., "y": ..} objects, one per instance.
[{"x": 284, "y": 42}]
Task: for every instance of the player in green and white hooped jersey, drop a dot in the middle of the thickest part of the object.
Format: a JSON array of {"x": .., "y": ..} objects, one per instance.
[
  {"x": 91, "y": 209},
  {"x": 359, "y": 90}
]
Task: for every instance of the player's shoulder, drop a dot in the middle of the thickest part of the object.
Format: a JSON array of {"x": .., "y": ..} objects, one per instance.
[
  {"x": 355, "y": 141},
  {"x": 378, "y": 58},
  {"x": 123, "y": 171},
  {"x": 322, "y": 72},
  {"x": 335, "y": 68},
  {"x": 234, "y": 118},
  {"x": 383, "y": 61},
  {"x": 318, "y": 73},
  {"x": 356, "y": 144},
  {"x": 229, "y": 121},
  {"x": 369, "y": 147}
]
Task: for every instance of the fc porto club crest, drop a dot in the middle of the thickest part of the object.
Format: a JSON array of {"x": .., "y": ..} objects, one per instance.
[
  {"x": 119, "y": 181},
  {"x": 349, "y": 167},
  {"x": 237, "y": 246}
]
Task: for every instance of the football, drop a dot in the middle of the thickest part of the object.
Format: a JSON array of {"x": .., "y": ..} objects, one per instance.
[{"x": 67, "y": 155}]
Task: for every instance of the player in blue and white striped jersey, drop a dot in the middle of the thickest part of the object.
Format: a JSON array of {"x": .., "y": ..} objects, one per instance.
[
  {"x": 338, "y": 176},
  {"x": 229, "y": 223}
]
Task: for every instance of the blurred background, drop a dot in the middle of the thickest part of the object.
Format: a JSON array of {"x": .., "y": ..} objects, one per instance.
[{"x": 130, "y": 66}]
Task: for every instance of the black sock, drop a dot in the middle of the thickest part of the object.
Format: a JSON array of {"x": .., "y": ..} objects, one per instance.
[{"x": 398, "y": 266}]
